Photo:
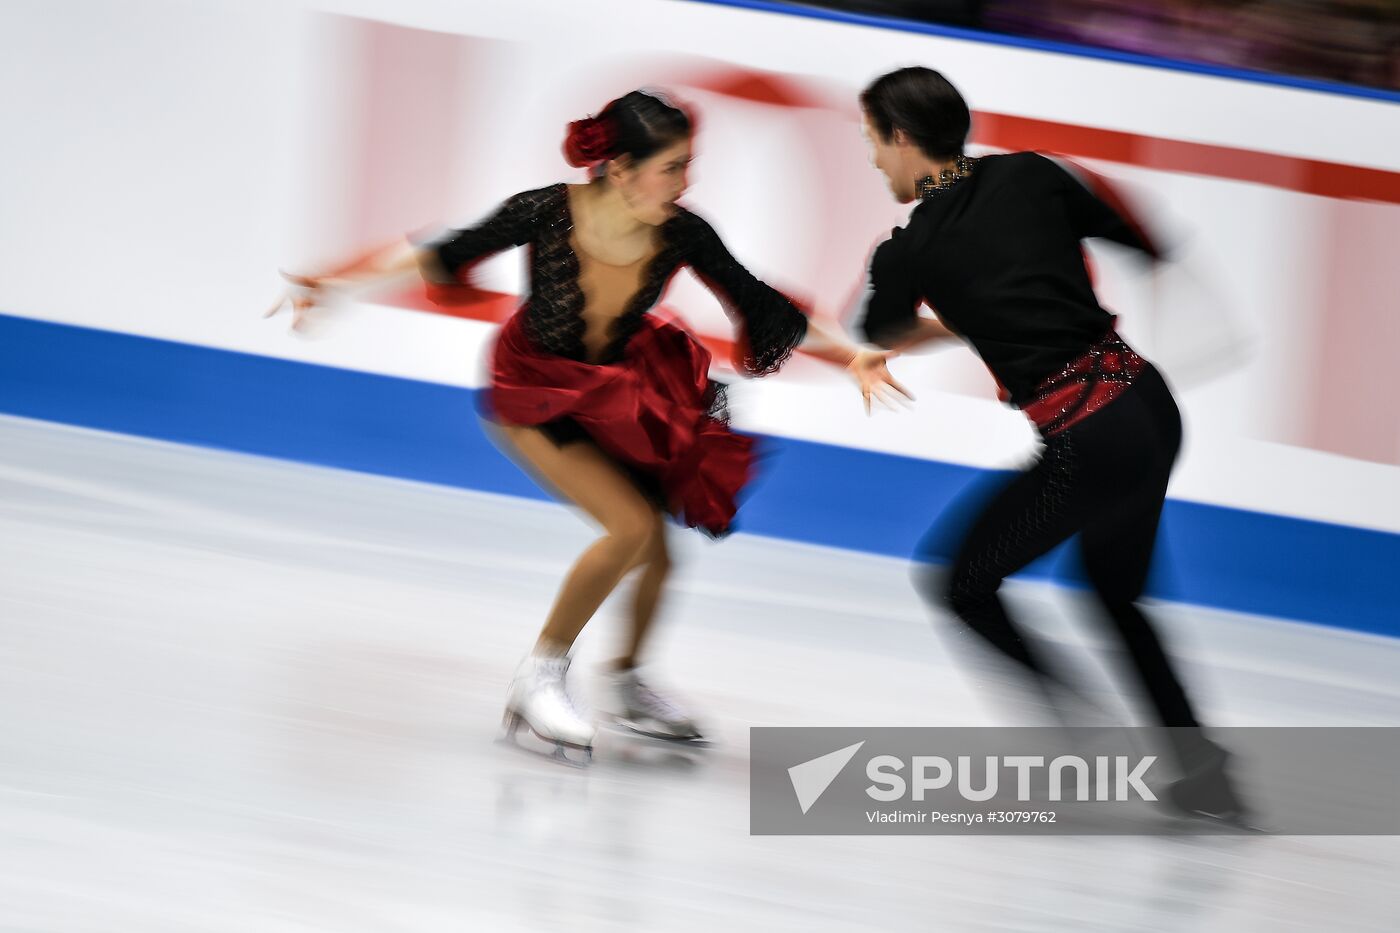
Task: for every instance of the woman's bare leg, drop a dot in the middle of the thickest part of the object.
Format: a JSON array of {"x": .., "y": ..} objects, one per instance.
[
  {"x": 582, "y": 474},
  {"x": 647, "y": 597}
]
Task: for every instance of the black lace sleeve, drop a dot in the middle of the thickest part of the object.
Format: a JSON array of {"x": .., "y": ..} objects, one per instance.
[
  {"x": 770, "y": 325},
  {"x": 514, "y": 223},
  {"x": 892, "y": 297}
]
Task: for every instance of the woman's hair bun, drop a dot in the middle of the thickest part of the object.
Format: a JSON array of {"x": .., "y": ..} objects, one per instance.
[{"x": 590, "y": 141}]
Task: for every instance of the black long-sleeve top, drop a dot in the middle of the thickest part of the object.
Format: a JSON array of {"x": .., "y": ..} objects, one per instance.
[
  {"x": 998, "y": 257},
  {"x": 770, "y": 325}
]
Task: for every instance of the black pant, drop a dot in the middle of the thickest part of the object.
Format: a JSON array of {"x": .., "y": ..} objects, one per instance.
[{"x": 1104, "y": 479}]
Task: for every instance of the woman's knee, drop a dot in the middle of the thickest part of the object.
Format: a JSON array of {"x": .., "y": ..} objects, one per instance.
[
  {"x": 634, "y": 532},
  {"x": 656, "y": 554}
]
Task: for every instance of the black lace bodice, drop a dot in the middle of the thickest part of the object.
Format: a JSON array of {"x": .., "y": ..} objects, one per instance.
[{"x": 770, "y": 325}]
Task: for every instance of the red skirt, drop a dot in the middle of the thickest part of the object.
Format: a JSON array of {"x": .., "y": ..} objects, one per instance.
[{"x": 651, "y": 412}]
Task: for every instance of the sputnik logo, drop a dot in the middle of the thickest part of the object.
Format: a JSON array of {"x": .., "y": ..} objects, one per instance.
[{"x": 811, "y": 778}]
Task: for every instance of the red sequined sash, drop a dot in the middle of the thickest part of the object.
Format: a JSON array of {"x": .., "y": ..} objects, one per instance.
[{"x": 1085, "y": 385}]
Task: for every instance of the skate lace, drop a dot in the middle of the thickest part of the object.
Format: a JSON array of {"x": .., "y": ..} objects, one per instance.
[
  {"x": 552, "y": 682},
  {"x": 564, "y": 697},
  {"x": 654, "y": 703}
]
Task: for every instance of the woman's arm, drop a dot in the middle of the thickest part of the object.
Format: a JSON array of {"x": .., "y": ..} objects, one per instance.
[
  {"x": 867, "y": 367},
  {"x": 382, "y": 263},
  {"x": 924, "y": 331},
  {"x": 396, "y": 258},
  {"x": 828, "y": 344},
  {"x": 443, "y": 261},
  {"x": 771, "y": 326},
  {"x": 389, "y": 260}
]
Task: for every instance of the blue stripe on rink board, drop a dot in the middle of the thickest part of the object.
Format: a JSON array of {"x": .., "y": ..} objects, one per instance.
[
  {"x": 891, "y": 22},
  {"x": 818, "y": 493}
]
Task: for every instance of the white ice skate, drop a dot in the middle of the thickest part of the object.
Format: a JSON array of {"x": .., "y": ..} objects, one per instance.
[
  {"x": 638, "y": 708},
  {"x": 539, "y": 700}
]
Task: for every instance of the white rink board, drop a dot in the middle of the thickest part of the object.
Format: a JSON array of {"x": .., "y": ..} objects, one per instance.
[{"x": 162, "y": 207}]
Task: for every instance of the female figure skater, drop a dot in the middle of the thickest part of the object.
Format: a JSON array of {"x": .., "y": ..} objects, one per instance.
[
  {"x": 993, "y": 246},
  {"x": 610, "y": 407}
]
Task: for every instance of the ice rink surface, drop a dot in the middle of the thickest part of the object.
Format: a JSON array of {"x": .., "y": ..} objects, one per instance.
[{"x": 252, "y": 696}]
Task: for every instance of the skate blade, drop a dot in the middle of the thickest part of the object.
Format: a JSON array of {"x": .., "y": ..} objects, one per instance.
[
  {"x": 1225, "y": 821},
  {"x": 513, "y": 723},
  {"x": 632, "y": 729}
]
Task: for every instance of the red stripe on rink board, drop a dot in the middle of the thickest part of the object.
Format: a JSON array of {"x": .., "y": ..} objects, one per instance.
[
  {"x": 1004, "y": 131},
  {"x": 1307, "y": 176}
]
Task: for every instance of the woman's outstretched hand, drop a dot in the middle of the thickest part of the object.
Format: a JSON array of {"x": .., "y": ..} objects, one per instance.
[
  {"x": 303, "y": 293},
  {"x": 873, "y": 376}
]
